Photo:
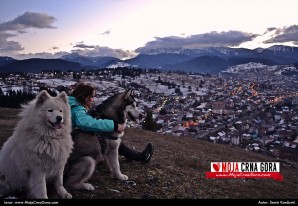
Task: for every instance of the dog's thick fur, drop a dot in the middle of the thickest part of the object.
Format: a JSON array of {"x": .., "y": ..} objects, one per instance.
[
  {"x": 36, "y": 154},
  {"x": 88, "y": 150}
]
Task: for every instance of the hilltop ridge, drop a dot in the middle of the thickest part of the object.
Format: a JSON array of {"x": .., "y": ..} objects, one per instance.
[{"x": 177, "y": 170}]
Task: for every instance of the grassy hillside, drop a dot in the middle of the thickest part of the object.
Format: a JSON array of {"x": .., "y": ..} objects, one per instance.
[{"x": 177, "y": 170}]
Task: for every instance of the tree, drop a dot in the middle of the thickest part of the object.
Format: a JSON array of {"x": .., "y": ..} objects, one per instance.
[
  {"x": 149, "y": 123},
  {"x": 14, "y": 99},
  {"x": 177, "y": 90},
  {"x": 163, "y": 111},
  {"x": 201, "y": 84}
]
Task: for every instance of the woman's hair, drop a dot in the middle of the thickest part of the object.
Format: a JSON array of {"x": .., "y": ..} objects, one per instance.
[{"x": 82, "y": 91}]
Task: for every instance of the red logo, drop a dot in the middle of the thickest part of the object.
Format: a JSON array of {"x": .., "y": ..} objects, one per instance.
[
  {"x": 216, "y": 166},
  {"x": 245, "y": 170}
]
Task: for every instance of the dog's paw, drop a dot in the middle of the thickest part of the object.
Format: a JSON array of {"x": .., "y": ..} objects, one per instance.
[
  {"x": 88, "y": 186},
  {"x": 67, "y": 196},
  {"x": 122, "y": 177},
  {"x": 61, "y": 191}
]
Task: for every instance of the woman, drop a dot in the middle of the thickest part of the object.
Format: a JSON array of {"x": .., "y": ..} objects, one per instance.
[{"x": 81, "y": 100}]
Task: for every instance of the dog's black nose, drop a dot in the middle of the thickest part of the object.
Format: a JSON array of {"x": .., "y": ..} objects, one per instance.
[{"x": 58, "y": 119}]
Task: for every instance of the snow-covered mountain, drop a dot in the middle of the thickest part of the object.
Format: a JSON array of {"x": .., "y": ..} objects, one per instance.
[
  {"x": 201, "y": 60},
  {"x": 96, "y": 62},
  {"x": 208, "y": 51}
]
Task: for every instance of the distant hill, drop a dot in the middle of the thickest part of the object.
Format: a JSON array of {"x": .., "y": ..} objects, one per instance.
[
  {"x": 39, "y": 65},
  {"x": 214, "y": 64},
  {"x": 244, "y": 60},
  {"x": 158, "y": 60},
  {"x": 205, "y": 64},
  {"x": 91, "y": 62},
  {"x": 281, "y": 54},
  {"x": 178, "y": 169},
  {"x": 6, "y": 60}
]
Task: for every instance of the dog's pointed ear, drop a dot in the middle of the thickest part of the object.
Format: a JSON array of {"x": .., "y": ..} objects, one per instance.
[
  {"x": 42, "y": 97},
  {"x": 63, "y": 97},
  {"x": 128, "y": 93}
]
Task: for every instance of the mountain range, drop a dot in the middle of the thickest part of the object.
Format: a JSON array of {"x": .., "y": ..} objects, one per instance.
[{"x": 204, "y": 60}]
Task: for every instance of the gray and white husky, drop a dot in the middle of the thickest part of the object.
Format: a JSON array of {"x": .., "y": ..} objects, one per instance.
[{"x": 89, "y": 148}]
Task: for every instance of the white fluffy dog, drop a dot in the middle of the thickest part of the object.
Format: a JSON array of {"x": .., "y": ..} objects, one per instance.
[{"x": 38, "y": 150}]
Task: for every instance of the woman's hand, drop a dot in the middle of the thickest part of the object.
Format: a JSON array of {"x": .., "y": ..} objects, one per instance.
[{"x": 121, "y": 127}]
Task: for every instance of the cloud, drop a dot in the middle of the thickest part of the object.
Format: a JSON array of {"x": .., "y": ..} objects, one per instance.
[
  {"x": 285, "y": 34},
  {"x": 84, "y": 46},
  {"x": 42, "y": 55},
  {"x": 212, "y": 39},
  {"x": 18, "y": 26},
  {"x": 105, "y": 51},
  {"x": 269, "y": 30},
  {"x": 28, "y": 20},
  {"x": 6, "y": 46},
  {"x": 85, "y": 51},
  {"x": 106, "y": 32}
]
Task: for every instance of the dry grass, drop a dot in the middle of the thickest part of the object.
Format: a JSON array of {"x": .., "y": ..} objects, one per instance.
[{"x": 177, "y": 170}]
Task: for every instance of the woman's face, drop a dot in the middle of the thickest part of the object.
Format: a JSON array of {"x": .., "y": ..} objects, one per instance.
[{"x": 90, "y": 101}]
